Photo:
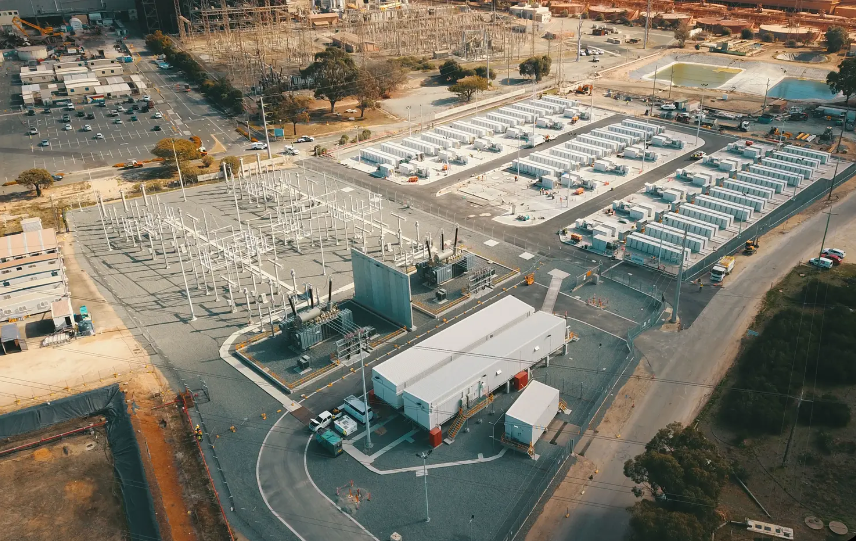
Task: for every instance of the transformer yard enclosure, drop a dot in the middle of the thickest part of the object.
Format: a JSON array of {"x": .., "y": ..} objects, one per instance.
[
  {"x": 530, "y": 414},
  {"x": 392, "y": 377},
  {"x": 471, "y": 376}
]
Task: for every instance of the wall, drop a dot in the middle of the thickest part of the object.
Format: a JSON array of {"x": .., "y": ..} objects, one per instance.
[{"x": 382, "y": 289}]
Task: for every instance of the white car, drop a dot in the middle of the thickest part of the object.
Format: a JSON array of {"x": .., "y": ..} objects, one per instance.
[
  {"x": 258, "y": 146},
  {"x": 290, "y": 151},
  {"x": 158, "y": 115},
  {"x": 350, "y": 110},
  {"x": 45, "y": 143},
  {"x": 668, "y": 107},
  {"x": 120, "y": 109},
  {"x": 33, "y": 131},
  {"x": 87, "y": 127},
  {"x": 834, "y": 251},
  {"x": 99, "y": 136},
  {"x": 323, "y": 420},
  {"x": 146, "y": 98},
  {"x": 67, "y": 127},
  {"x": 821, "y": 262},
  {"x": 118, "y": 121}
]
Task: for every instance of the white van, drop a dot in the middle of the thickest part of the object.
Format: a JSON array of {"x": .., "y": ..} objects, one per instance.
[
  {"x": 258, "y": 146},
  {"x": 821, "y": 262},
  {"x": 69, "y": 107}
]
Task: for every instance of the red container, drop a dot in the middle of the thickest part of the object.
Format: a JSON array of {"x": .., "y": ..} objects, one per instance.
[
  {"x": 435, "y": 437},
  {"x": 520, "y": 380}
]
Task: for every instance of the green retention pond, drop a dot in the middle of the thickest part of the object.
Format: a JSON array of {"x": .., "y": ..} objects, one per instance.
[
  {"x": 791, "y": 88},
  {"x": 687, "y": 74}
]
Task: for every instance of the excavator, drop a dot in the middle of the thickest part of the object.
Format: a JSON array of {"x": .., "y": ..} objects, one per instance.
[{"x": 752, "y": 246}]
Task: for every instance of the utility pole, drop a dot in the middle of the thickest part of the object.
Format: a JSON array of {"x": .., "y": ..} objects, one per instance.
[
  {"x": 838, "y": 162},
  {"x": 580, "y": 35},
  {"x": 424, "y": 456},
  {"x": 700, "y": 112},
  {"x": 829, "y": 215},
  {"x": 369, "y": 443},
  {"x": 264, "y": 124},
  {"x": 180, "y": 181},
  {"x": 679, "y": 279},
  {"x": 647, "y": 25}
]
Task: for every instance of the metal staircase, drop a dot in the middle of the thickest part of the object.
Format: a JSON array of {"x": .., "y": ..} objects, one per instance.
[
  {"x": 463, "y": 415},
  {"x": 517, "y": 446}
]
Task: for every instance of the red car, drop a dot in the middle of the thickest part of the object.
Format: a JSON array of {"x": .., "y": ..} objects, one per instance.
[{"x": 836, "y": 260}]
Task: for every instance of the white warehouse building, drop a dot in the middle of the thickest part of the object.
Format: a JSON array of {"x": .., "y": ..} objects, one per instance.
[
  {"x": 392, "y": 377},
  {"x": 472, "y": 376}
]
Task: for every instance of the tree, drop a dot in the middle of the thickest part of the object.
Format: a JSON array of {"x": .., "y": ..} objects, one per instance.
[
  {"x": 158, "y": 43},
  {"x": 184, "y": 149},
  {"x": 768, "y": 37},
  {"x": 684, "y": 474},
  {"x": 536, "y": 66},
  {"x": 449, "y": 70},
  {"x": 366, "y": 91},
  {"x": 389, "y": 76},
  {"x": 836, "y": 39},
  {"x": 35, "y": 179},
  {"x": 292, "y": 108},
  {"x": 334, "y": 74},
  {"x": 467, "y": 87},
  {"x": 844, "y": 80},
  {"x": 747, "y": 33},
  {"x": 233, "y": 164},
  {"x": 481, "y": 71},
  {"x": 190, "y": 173},
  {"x": 682, "y": 33},
  {"x": 726, "y": 31}
]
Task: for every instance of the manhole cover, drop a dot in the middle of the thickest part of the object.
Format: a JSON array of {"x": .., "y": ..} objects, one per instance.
[
  {"x": 814, "y": 523},
  {"x": 90, "y": 446},
  {"x": 838, "y": 527}
]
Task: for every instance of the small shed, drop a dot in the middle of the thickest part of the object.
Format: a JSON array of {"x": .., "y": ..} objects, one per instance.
[
  {"x": 530, "y": 414},
  {"x": 62, "y": 314},
  {"x": 10, "y": 339}
]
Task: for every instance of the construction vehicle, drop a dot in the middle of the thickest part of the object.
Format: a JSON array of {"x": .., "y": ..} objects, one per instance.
[
  {"x": 331, "y": 442},
  {"x": 743, "y": 125},
  {"x": 722, "y": 268},
  {"x": 44, "y": 32},
  {"x": 752, "y": 246},
  {"x": 584, "y": 90},
  {"x": 827, "y": 135}
]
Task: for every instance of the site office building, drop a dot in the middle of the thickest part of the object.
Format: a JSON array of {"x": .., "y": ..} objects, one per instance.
[{"x": 461, "y": 365}]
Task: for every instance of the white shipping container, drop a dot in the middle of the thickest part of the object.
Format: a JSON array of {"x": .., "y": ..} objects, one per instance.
[
  {"x": 495, "y": 127},
  {"x": 439, "y": 140},
  {"x": 583, "y": 148},
  {"x": 692, "y": 225},
  {"x": 583, "y": 159},
  {"x": 751, "y": 178},
  {"x": 527, "y": 419},
  {"x": 400, "y": 151},
  {"x": 819, "y": 155},
  {"x": 426, "y": 148},
  {"x": 751, "y": 189},
  {"x": 504, "y": 119},
  {"x": 651, "y": 129},
  {"x": 552, "y": 161},
  {"x": 667, "y": 233},
  {"x": 571, "y": 113},
  {"x": 524, "y": 166},
  {"x": 554, "y": 108},
  {"x": 526, "y": 118},
  {"x": 638, "y": 135},
  {"x": 733, "y": 196},
  {"x": 662, "y": 250},
  {"x": 457, "y": 135},
  {"x": 793, "y": 179},
  {"x": 560, "y": 101},
  {"x": 472, "y": 129},
  {"x": 620, "y": 138},
  {"x": 799, "y": 160},
  {"x": 740, "y": 212},
  {"x": 789, "y": 167},
  {"x": 715, "y": 217},
  {"x": 376, "y": 156},
  {"x": 611, "y": 146}
]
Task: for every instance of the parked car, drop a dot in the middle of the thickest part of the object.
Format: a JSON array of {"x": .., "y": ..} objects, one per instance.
[
  {"x": 305, "y": 139},
  {"x": 90, "y": 116},
  {"x": 698, "y": 155},
  {"x": 323, "y": 420},
  {"x": 821, "y": 262},
  {"x": 290, "y": 151},
  {"x": 146, "y": 98},
  {"x": 99, "y": 136},
  {"x": 157, "y": 115},
  {"x": 67, "y": 127},
  {"x": 134, "y": 118},
  {"x": 87, "y": 127},
  {"x": 32, "y": 131},
  {"x": 46, "y": 110},
  {"x": 45, "y": 143},
  {"x": 668, "y": 107},
  {"x": 118, "y": 121},
  {"x": 258, "y": 146},
  {"x": 351, "y": 111},
  {"x": 31, "y": 112},
  {"x": 834, "y": 251},
  {"x": 156, "y": 128},
  {"x": 81, "y": 114},
  {"x": 66, "y": 118}
]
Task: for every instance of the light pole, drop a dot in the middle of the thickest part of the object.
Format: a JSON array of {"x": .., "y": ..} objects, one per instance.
[
  {"x": 700, "y": 113},
  {"x": 409, "y": 125},
  {"x": 180, "y": 181},
  {"x": 369, "y": 443},
  {"x": 472, "y": 518},
  {"x": 424, "y": 456}
]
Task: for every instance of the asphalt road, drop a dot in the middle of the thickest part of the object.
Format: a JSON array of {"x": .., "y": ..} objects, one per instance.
[{"x": 699, "y": 355}]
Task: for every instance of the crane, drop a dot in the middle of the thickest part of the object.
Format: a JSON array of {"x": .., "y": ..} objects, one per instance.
[{"x": 49, "y": 31}]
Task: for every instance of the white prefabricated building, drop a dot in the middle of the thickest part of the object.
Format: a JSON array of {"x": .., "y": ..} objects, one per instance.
[
  {"x": 531, "y": 413},
  {"x": 459, "y": 384},
  {"x": 392, "y": 377}
]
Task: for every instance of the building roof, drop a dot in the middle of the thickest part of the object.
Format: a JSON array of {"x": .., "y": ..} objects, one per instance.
[
  {"x": 9, "y": 332},
  {"x": 28, "y": 260},
  {"x": 532, "y": 402},
  {"x": 436, "y": 350},
  {"x": 62, "y": 308},
  {"x": 21, "y": 244},
  {"x": 109, "y": 89},
  {"x": 469, "y": 366}
]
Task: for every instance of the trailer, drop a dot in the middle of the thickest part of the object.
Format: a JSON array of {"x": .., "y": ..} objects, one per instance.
[
  {"x": 527, "y": 167},
  {"x": 719, "y": 219},
  {"x": 492, "y": 125},
  {"x": 737, "y": 210},
  {"x": 777, "y": 186},
  {"x": 611, "y": 146},
  {"x": 799, "y": 160},
  {"x": 756, "y": 203},
  {"x": 748, "y": 188},
  {"x": 560, "y": 101},
  {"x": 457, "y": 135},
  {"x": 504, "y": 119},
  {"x": 472, "y": 129},
  {"x": 525, "y": 118},
  {"x": 378, "y": 157},
  {"x": 582, "y": 159},
  {"x": 426, "y": 148},
  {"x": 401, "y": 151},
  {"x": 656, "y": 248},
  {"x": 821, "y": 156},
  {"x": 583, "y": 148},
  {"x": 650, "y": 129},
  {"x": 692, "y": 225},
  {"x": 623, "y": 140},
  {"x": 806, "y": 172},
  {"x": 696, "y": 243},
  {"x": 439, "y": 140},
  {"x": 637, "y": 135},
  {"x": 793, "y": 179}
]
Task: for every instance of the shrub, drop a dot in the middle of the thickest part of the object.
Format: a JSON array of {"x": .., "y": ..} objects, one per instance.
[
  {"x": 343, "y": 140},
  {"x": 207, "y": 161},
  {"x": 364, "y": 135},
  {"x": 768, "y": 37},
  {"x": 791, "y": 43},
  {"x": 747, "y": 33},
  {"x": 599, "y": 18},
  {"x": 584, "y": 16},
  {"x": 232, "y": 162},
  {"x": 190, "y": 173},
  {"x": 565, "y": 13},
  {"x": 726, "y": 31},
  {"x": 154, "y": 186}
]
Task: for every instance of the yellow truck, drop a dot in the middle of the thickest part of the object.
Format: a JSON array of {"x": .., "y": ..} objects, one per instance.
[{"x": 722, "y": 268}]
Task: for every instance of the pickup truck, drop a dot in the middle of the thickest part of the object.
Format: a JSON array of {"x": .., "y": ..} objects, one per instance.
[{"x": 322, "y": 420}]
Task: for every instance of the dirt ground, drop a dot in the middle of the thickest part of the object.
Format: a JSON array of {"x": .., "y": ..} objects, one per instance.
[{"x": 63, "y": 490}]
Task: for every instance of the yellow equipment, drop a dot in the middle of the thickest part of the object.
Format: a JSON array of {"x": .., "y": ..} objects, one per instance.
[
  {"x": 529, "y": 279},
  {"x": 48, "y": 31},
  {"x": 752, "y": 246}
]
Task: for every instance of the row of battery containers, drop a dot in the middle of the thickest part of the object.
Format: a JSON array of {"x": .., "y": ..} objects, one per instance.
[
  {"x": 728, "y": 206},
  {"x": 692, "y": 225},
  {"x": 703, "y": 180},
  {"x": 754, "y": 153},
  {"x": 821, "y": 156},
  {"x": 638, "y": 212},
  {"x": 661, "y": 249},
  {"x": 674, "y": 194},
  {"x": 793, "y": 179},
  {"x": 638, "y": 152},
  {"x": 696, "y": 243},
  {"x": 550, "y": 177}
]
